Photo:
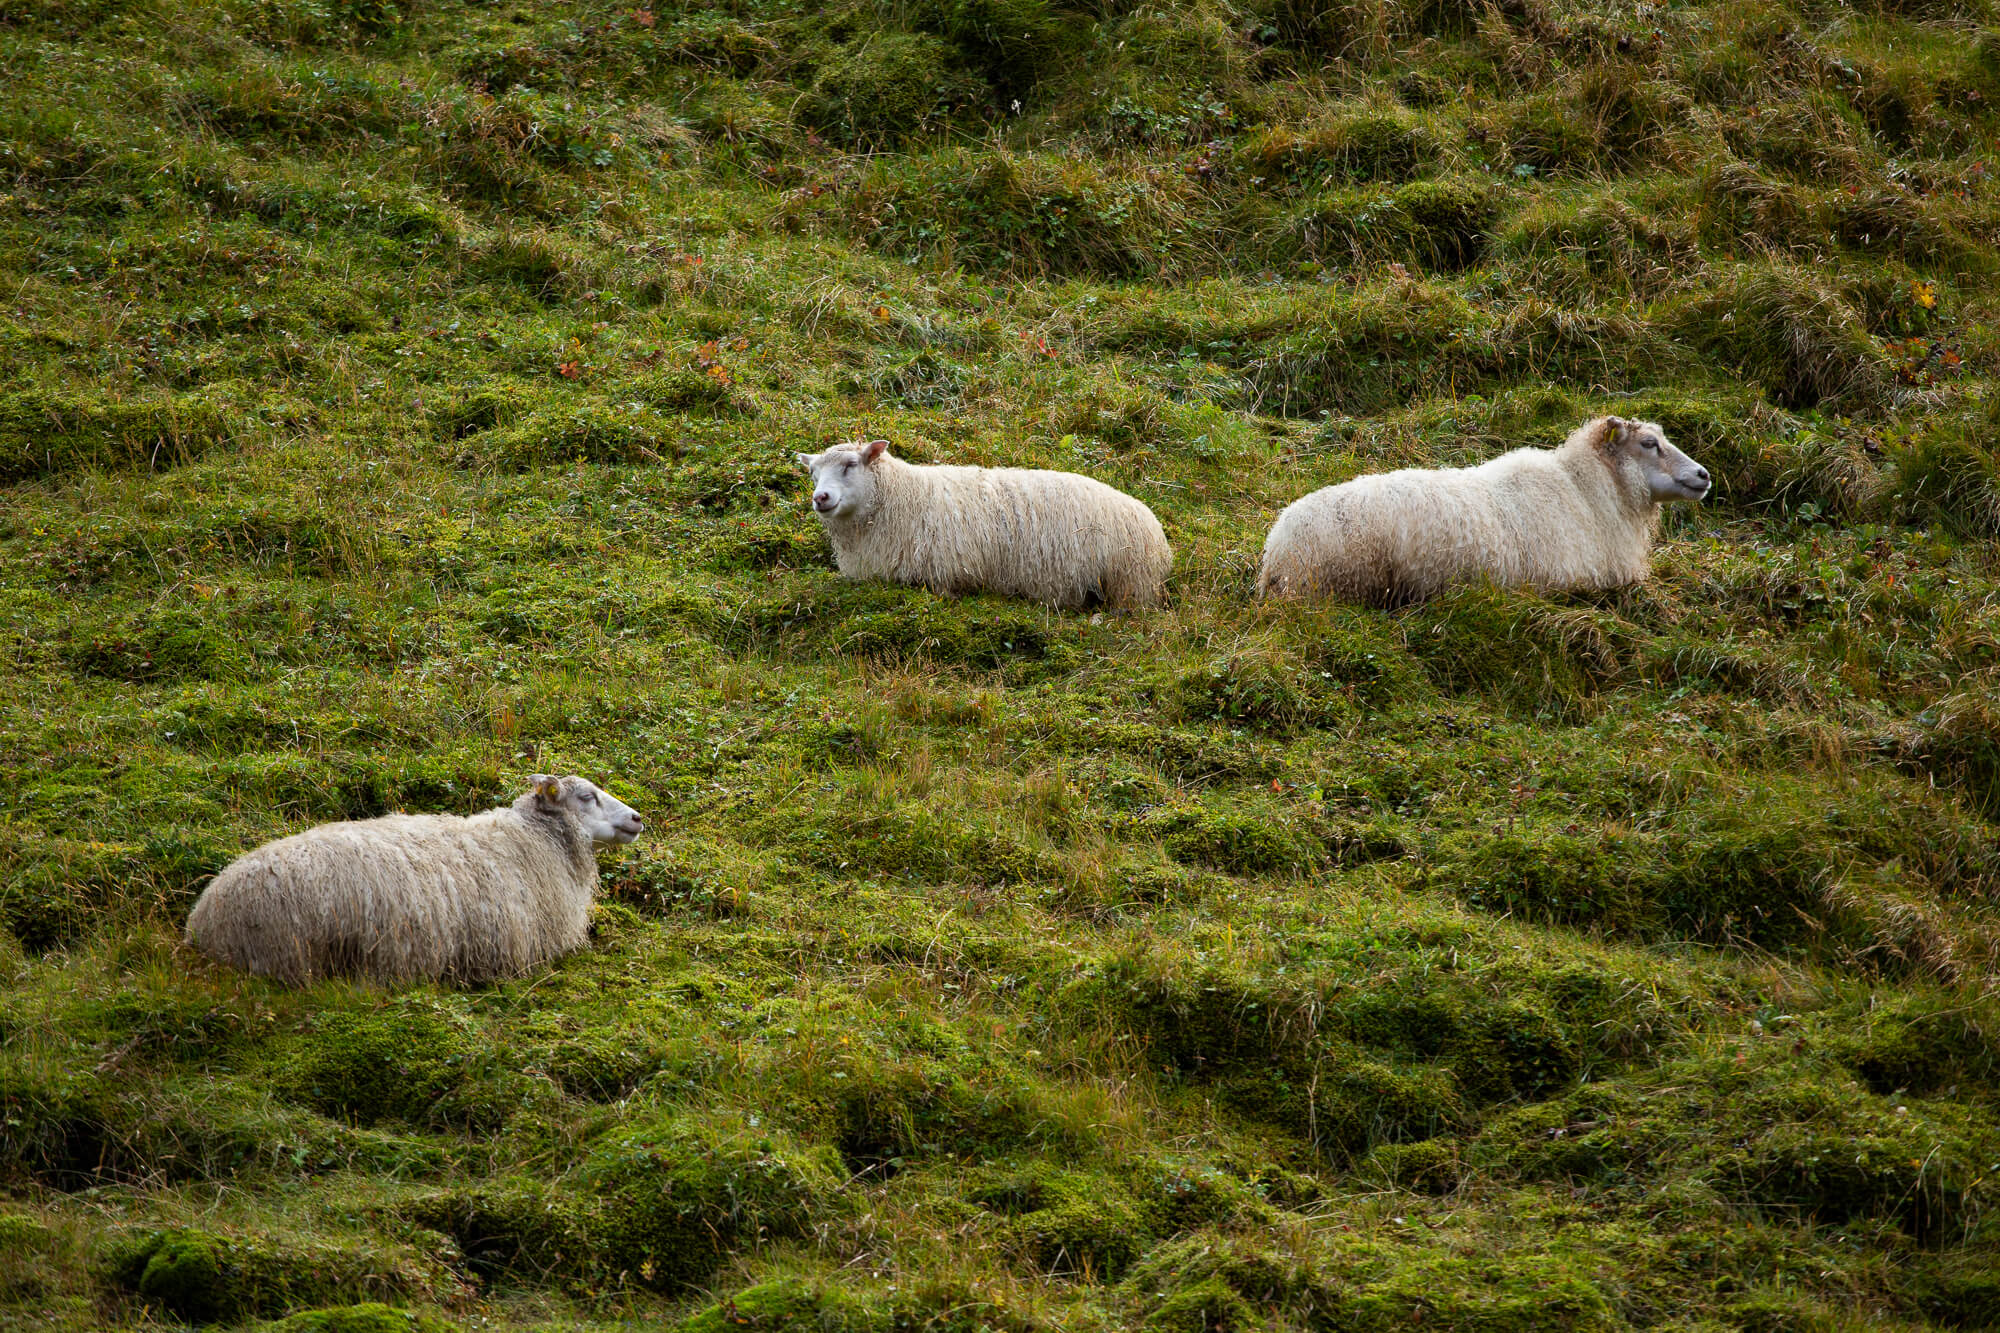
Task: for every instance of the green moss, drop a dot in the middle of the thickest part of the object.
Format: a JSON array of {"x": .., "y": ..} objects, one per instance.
[
  {"x": 1960, "y": 1290},
  {"x": 630, "y": 432},
  {"x": 46, "y": 433},
  {"x": 405, "y": 1062},
  {"x": 1608, "y": 116},
  {"x": 23, "y": 1234},
  {"x": 204, "y": 1276},
  {"x": 480, "y": 409},
  {"x": 1756, "y": 871},
  {"x": 1370, "y": 145},
  {"x": 1526, "y": 1292},
  {"x": 1030, "y": 214},
  {"x": 1277, "y": 693},
  {"x": 1558, "y": 876},
  {"x": 1791, "y": 1142},
  {"x": 1012, "y": 41},
  {"x": 1862, "y": 1166},
  {"x": 887, "y": 86},
  {"x": 1180, "y": 1197},
  {"x": 515, "y": 1228},
  {"x": 1927, "y": 1052},
  {"x": 62, "y": 889},
  {"x": 1214, "y": 1274},
  {"x": 183, "y": 1272},
  {"x": 604, "y": 1065},
  {"x": 879, "y": 620},
  {"x": 1380, "y": 347},
  {"x": 1211, "y": 1306},
  {"x": 62, "y": 1124},
  {"x": 1496, "y": 1049},
  {"x": 1238, "y": 839},
  {"x": 1540, "y": 658},
  {"x": 1066, "y": 1222},
  {"x": 370, "y": 1317},
  {"x": 1170, "y": 76},
  {"x": 1261, "y": 1053},
  {"x": 786, "y": 1303},
  {"x": 1366, "y": 662},
  {"x": 674, "y": 1197},
  {"x": 174, "y": 644},
  {"x": 1430, "y": 1166},
  {"x": 1438, "y": 225},
  {"x": 886, "y": 1113}
]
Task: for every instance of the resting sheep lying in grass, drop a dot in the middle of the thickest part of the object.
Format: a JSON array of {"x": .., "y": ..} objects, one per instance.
[
  {"x": 1059, "y": 538},
  {"x": 418, "y": 896},
  {"x": 1581, "y": 515}
]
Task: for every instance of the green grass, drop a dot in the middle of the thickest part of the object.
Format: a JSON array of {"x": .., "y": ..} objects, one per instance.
[{"x": 399, "y": 397}]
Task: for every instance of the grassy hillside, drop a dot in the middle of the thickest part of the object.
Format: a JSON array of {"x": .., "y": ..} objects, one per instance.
[{"x": 398, "y": 397}]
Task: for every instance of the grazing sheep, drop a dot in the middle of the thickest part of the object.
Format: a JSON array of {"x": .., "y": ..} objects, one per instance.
[
  {"x": 1581, "y": 515},
  {"x": 414, "y": 896},
  {"x": 1056, "y": 537}
]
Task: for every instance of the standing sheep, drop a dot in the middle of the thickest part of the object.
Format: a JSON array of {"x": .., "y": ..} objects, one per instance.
[
  {"x": 1059, "y": 538},
  {"x": 417, "y": 896},
  {"x": 1581, "y": 515}
]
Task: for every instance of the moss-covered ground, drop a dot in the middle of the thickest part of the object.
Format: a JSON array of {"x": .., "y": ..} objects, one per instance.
[{"x": 398, "y": 397}]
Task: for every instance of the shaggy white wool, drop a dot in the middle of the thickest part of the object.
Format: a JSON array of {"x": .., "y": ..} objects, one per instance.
[
  {"x": 418, "y": 896},
  {"x": 1582, "y": 515},
  {"x": 1056, "y": 537}
]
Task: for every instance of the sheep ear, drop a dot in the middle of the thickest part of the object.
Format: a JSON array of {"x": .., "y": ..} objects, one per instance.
[
  {"x": 1616, "y": 425},
  {"x": 547, "y": 786},
  {"x": 805, "y": 460},
  {"x": 873, "y": 450}
]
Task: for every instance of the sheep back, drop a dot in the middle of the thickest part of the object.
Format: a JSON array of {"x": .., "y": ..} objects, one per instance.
[
  {"x": 1548, "y": 518},
  {"x": 404, "y": 897},
  {"x": 1056, "y": 537}
]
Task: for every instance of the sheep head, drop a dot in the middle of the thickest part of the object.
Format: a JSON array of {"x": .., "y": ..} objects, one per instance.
[
  {"x": 603, "y": 816},
  {"x": 1641, "y": 451},
  {"x": 844, "y": 484}
]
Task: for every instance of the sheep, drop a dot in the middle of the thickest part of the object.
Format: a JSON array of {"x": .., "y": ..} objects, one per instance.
[
  {"x": 1581, "y": 515},
  {"x": 1056, "y": 537},
  {"x": 418, "y": 896}
]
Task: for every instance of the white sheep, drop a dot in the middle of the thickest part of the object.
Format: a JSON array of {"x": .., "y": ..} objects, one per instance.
[
  {"x": 1581, "y": 515},
  {"x": 418, "y": 896},
  {"x": 1056, "y": 537}
]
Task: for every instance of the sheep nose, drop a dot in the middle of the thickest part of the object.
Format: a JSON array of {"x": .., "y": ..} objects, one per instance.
[
  {"x": 1701, "y": 474},
  {"x": 822, "y": 500}
]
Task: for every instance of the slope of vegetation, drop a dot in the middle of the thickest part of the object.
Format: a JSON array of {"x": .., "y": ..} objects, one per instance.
[{"x": 398, "y": 397}]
